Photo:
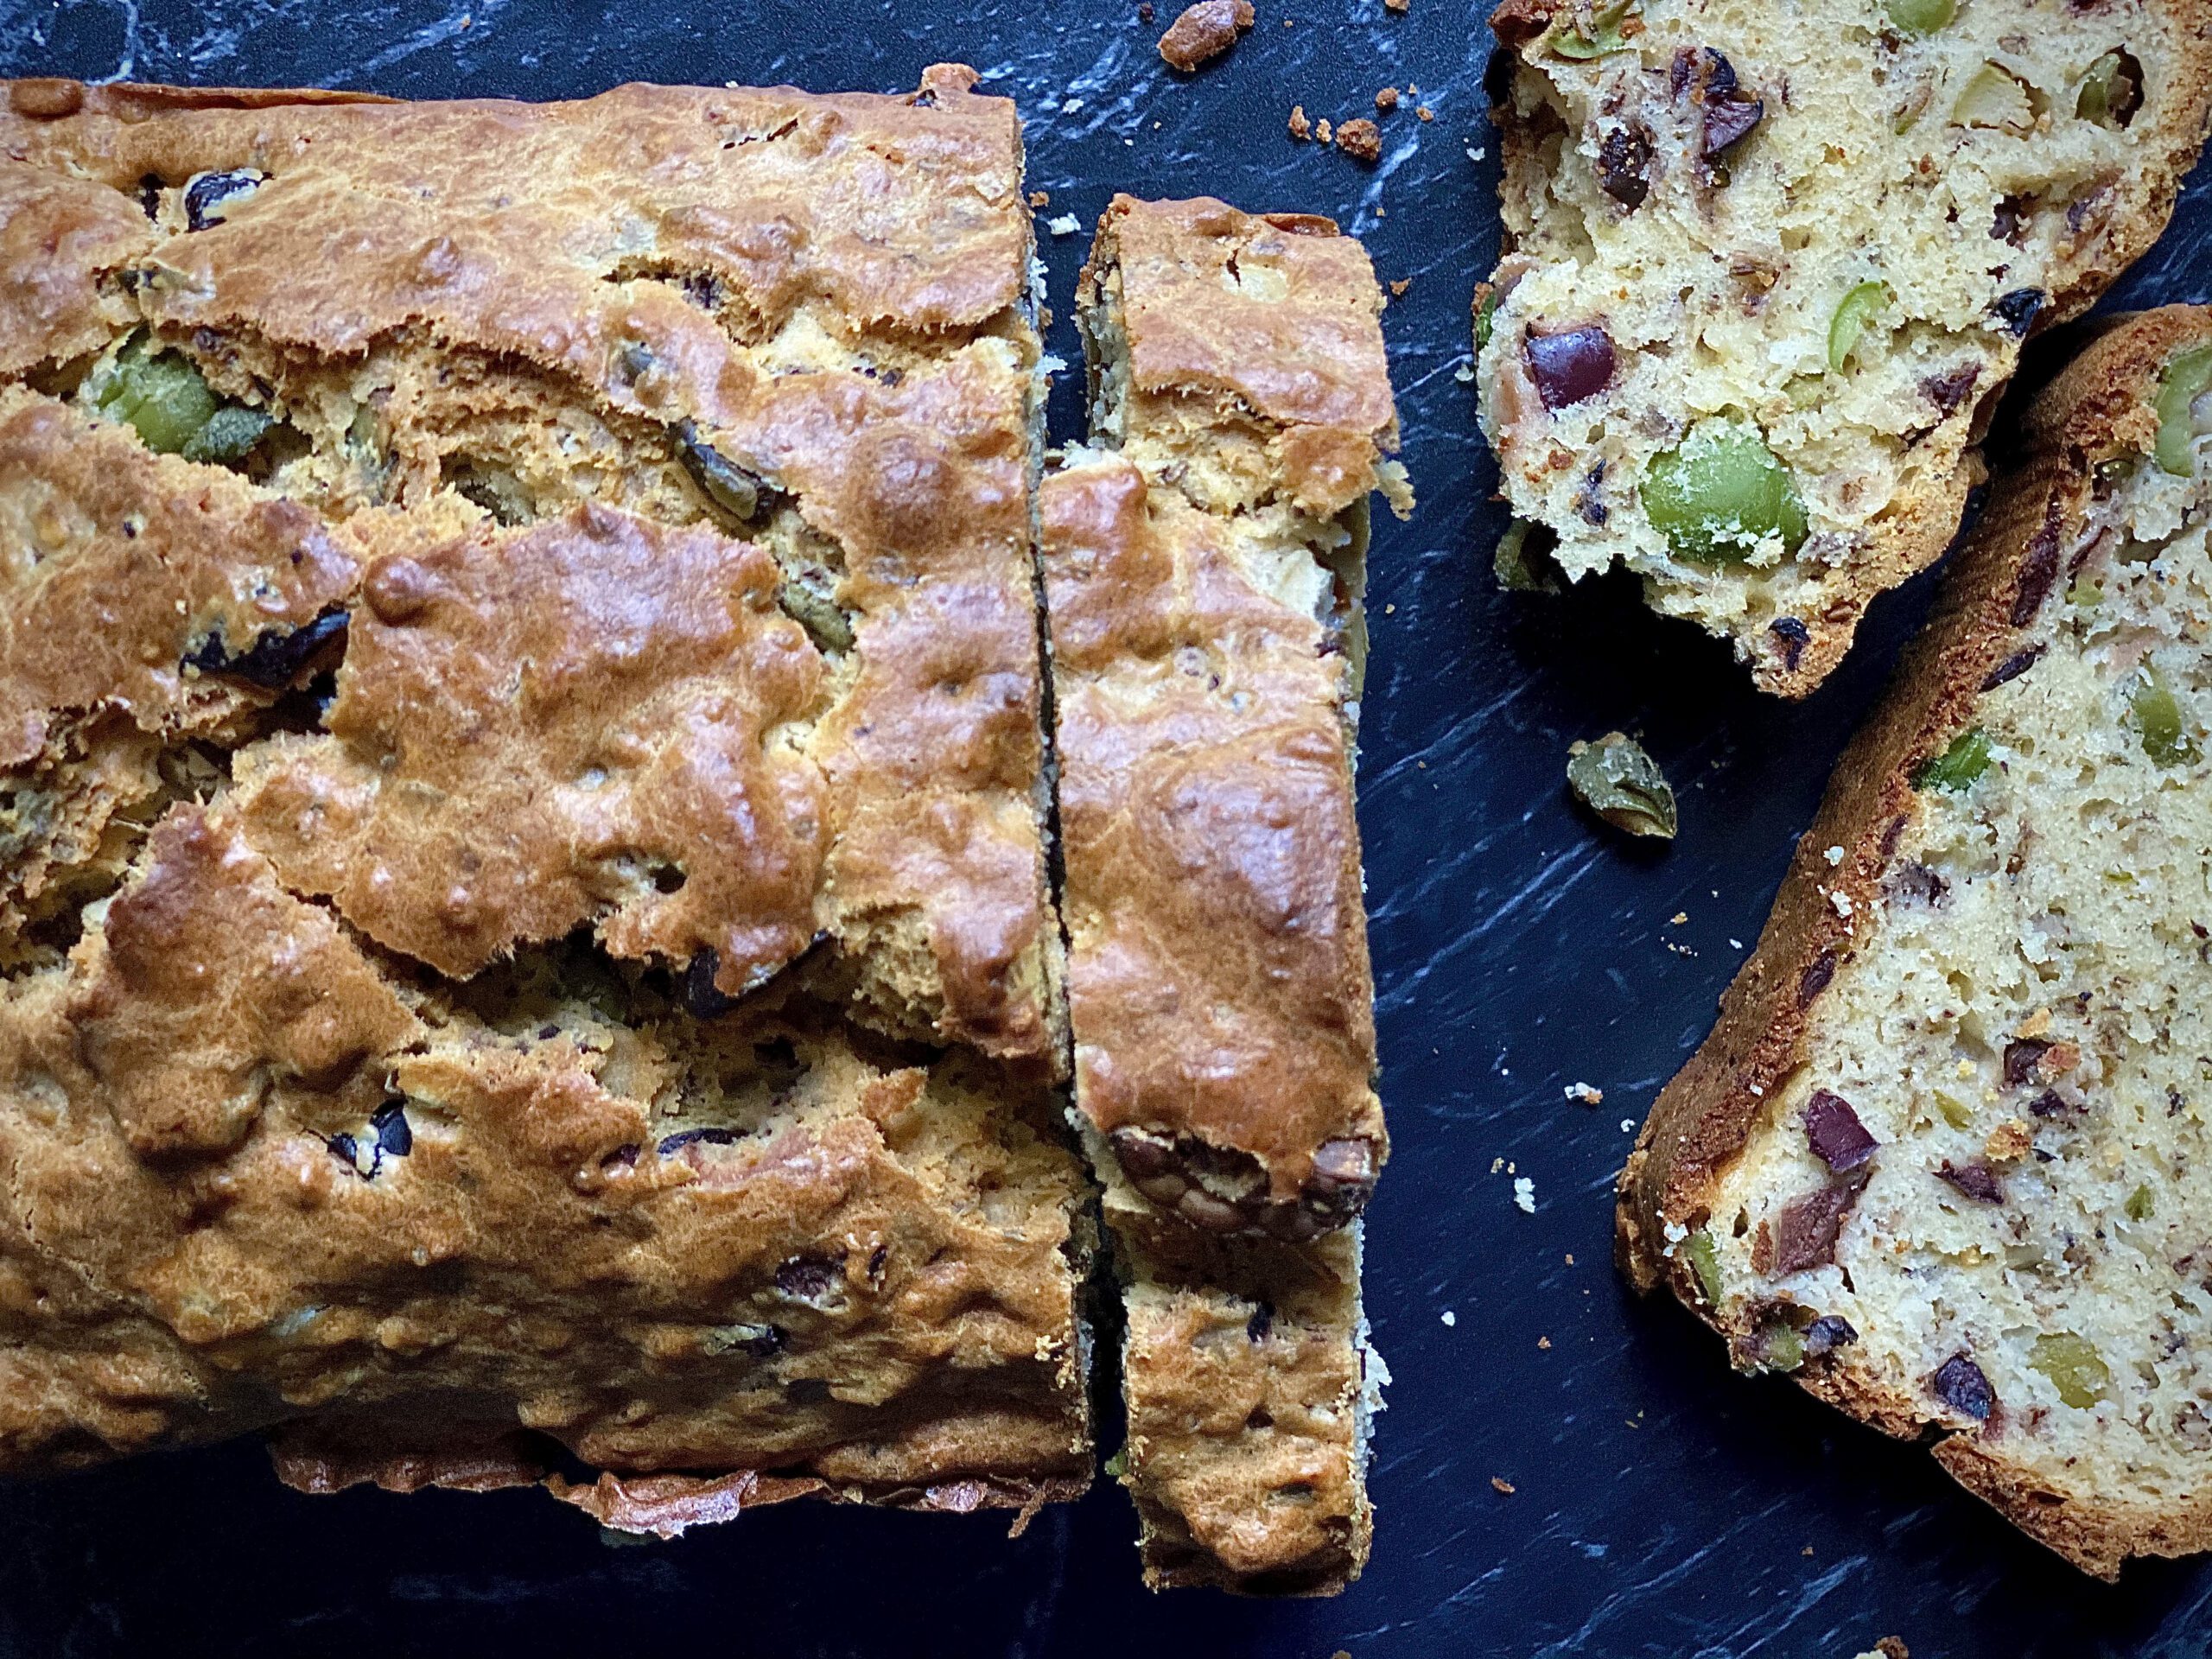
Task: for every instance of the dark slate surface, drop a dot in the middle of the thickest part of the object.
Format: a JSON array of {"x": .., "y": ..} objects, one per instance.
[{"x": 1662, "y": 1506}]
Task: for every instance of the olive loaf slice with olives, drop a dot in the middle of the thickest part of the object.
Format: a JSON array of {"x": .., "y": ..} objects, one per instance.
[
  {"x": 1203, "y": 572},
  {"x": 1766, "y": 272},
  {"x": 523, "y": 907},
  {"x": 1947, "y": 1155}
]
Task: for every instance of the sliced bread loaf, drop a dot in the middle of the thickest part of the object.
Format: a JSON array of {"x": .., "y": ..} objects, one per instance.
[
  {"x": 1766, "y": 269},
  {"x": 1945, "y": 1156}
]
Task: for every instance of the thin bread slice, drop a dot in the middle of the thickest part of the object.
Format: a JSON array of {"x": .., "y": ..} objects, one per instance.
[
  {"x": 1203, "y": 575},
  {"x": 1944, "y": 1157},
  {"x": 1765, "y": 273},
  {"x": 524, "y": 908}
]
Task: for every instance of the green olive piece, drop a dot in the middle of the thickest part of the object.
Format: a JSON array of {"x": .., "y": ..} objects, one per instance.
[
  {"x": 2094, "y": 100},
  {"x": 1721, "y": 493},
  {"x": 2183, "y": 384},
  {"x": 1704, "y": 1261},
  {"x": 1485, "y": 317},
  {"x": 2141, "y": 1203},
  {"x": 2158, "y": 720},
  {"x": 1605, "y": 35},
  {"x": 163, "y": 397},
  {"x": 1957, "y": 766},
  {"x": 2074, "y": 1366},
  {"x": 1851, "y": 314},
  {"x": 1921, "y": 17},
  {"x": 1615, "y": 779}
]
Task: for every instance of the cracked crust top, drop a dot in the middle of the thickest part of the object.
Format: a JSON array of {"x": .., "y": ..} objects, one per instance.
[{"x": 530, "y": 800}]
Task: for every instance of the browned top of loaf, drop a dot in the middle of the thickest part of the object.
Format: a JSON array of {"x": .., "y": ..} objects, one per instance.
[
  {"x": 1267, "y": 319},
  {"x": 2098, "y": 407},
  {"x": 1218, "y": 980},
  {"x": 862, "y": 1270}
]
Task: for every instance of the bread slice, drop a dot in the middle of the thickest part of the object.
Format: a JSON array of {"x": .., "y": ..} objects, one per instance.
[
  {"x": 522, "y": 899},
  {"x": 1203, "y": 575},
  {"x": 1764, "y": 274},
  {"x": 1945, "y": 1155}
]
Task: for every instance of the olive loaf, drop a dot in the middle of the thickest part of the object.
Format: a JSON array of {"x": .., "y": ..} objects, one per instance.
[
  {"x": 1204, "y": 570},
  {"x": 523, "y": 927},
  {"x": 1766, "y": 271},
  {"x": 1947, "y": 1155}
]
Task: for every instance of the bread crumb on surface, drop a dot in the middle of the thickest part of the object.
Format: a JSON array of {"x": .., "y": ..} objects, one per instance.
[
  {"x": 1361, "y": 139},
  {"x": 1500, "y": 1484},
  {"x": 1425, "y": 112},
  {"x": 1300, "y": 128},
  {"x": 1065, "y": 224},
  {"x": 1524, "y": 1195},
  {"x": 1387, "y": 99},
  {"x": 1398, "y": 289},
  {"x": 1203, "y": 32},
  {"x": 1323, "y": 130},
  {"x": 1401, "y": 7},
  {"x": 1588, "y": 1094},
  {"x": 1449, "y": 1316},
  {"x": 1544, "y": 1343},
  {"x": 1040, "y": 198}
]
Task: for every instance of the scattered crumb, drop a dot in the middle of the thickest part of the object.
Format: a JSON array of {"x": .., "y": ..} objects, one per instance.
[
  {"x": 1425, "y": 113},
  {"x": 1807, "y": 1550},
  {"x": 1065, "y": 224},
  {"x": 1543, "y": 1341},
  {"x": 1476, "y": 152},
  {"x": 1391, "y": 609},
  {"x": 1449, "y": 1316},
  {"x": 1496, "y": 1164},
  {"x": 1500, "y": 1484},
  {"x": 1387, "y": 99},
  {"x": 1524, "y": 1195},
  {"x": 1040, "y": 198},
  {"x": 1628, "y": 1126},
  {"x": 1323, "y": 130},
  {"x": 1398, "y": 289},
  {"x": 1585, "y": 1093},
  {"x": 1300, "y": 128},
  {"x": 1735, "y": 944},
  {"x": 1203, "y": 32},
  {"x": 1361, "y": 139},
  {"x": 1834, "y": 855},
  {"x": 1570, "y": 1258},
  {"x": 1842, "y": 903},
  {"x": 1144, "y": 12},
  {"x": 1678, "y": 918},
  {"x": 1401, "y": 7}
]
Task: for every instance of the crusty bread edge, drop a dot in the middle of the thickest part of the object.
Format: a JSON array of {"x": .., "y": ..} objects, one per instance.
[
  {"x": 1925, "y": 529},
  {"x": 2099, "y": 406}
]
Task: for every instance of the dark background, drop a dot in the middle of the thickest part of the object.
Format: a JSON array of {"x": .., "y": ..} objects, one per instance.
[{"x": 1662, "y": 1505}]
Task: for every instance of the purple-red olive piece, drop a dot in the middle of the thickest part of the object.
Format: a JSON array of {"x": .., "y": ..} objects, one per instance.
[{"x": 1571, "y": 365}]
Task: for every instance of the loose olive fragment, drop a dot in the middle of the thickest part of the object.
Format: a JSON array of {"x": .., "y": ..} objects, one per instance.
[
  {"x": 1957, "y": 766},
  {"x": 1851, "y": 313},
  {"x": 1921, "y": 17},
  {"x": 1704, "y": 1261},
  {"x": 165, "y": 399},
  {"x": 2074, "y": 1366},
  {"x": 1720, "y": 493},
  {"x": 1606, "y": 35},
  {"x": 2184, "y": 381},
  {"x": 2157, "y": 721},
  {"x": 1615, "y": 779},
  {"x": 2141, "y": 1203}
]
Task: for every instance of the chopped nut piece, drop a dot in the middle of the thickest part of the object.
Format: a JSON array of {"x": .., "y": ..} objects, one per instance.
[
  {"x": 1361, "y": 139},
  {"x": 1203, "y": 32}
]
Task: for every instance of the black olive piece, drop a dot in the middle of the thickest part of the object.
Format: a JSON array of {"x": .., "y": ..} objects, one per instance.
[
  {"x": 395, "y": 1135},
  {"x": 210, "y": 190},
  {"x": 704, "y": 1137},
  {"x": 274, "y": 658},
  {"x": 1949, "y": 389},
  {"x": 1623, "y": 154},
  {"x": 149, "y": 195},
  {"x": 1960, "y": 1384},
  {"x": 346, "y": 1150},
  {"x": 2010, "y": 221},
  {"x": 724, "y": 483},
  {"x": 1590, "y": 497},
  {"x": 1261, "y": 1322},
  {"x": 1827, "y": 1334},
  {"x": 814, "y": 1279},
  {"x": 2017, "y": 310},
  {"x": 2012, "y": 667},
  {"x": 1795, "y": 637},
  {"x": 1730, "y": 121},
  {"x": 1570, "y": 365},
  {"x": 702, "y": 1000}
]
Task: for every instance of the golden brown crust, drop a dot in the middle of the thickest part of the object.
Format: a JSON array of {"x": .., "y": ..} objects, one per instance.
[
  {"x": 2096, "y": 409},
  {"x": 421, "y": 1157}
]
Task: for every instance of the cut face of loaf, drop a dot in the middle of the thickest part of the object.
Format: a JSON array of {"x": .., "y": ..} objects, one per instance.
[
  {"x": 1203, "y": 573},
  {"x": 523, "y": 902},
  {"x": 1946, "y": 1156},
  {"x": 1765, "y": 274}
]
